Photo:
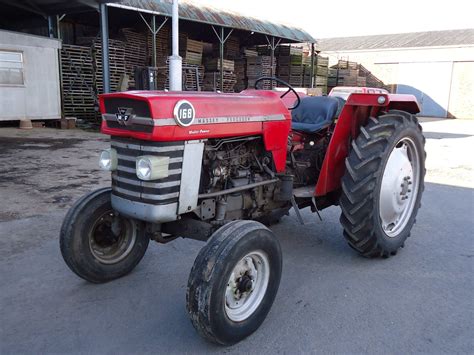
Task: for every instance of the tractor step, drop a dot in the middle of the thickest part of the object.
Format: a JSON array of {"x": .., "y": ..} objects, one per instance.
[{"x": 304, "y": 192}]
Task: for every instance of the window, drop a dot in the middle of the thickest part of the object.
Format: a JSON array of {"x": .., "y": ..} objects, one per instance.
[{"x": 11, "y": 68}]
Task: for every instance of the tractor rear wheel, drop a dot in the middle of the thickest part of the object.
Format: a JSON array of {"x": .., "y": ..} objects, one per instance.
[
  {"x": 234, "y": 281},
  {"x": 383, "y": 184}
]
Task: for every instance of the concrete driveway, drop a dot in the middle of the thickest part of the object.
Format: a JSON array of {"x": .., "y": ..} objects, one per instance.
[{"x": 330, "y": 299}]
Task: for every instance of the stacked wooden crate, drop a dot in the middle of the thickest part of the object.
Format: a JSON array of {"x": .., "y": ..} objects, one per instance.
[
  {"x": 344, "y": 73},
  {"x": 231, "y": 48},
  {"x": 212, "y": 75},
  {"x": 192, "y": 76},
  {"x": 321, "y": 72},
  {"x": 257, "y": 67},
  {"x": 190, "y": 50},
  {"x": 77, "y": 78},
  {"x": 135, "y": 52},
  {"x": 347, "y": 73},
  {"x": 212, "y": 81},
  {"x": 162, "y": 46},
  {"x": 290, "y": 64},
  {"x": 240, "y": 70},
  {"x": 116, "y": 61},
  {"x": 307, "y": 70}
]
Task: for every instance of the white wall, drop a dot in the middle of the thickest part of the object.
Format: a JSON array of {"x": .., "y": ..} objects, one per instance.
[
  {"x": 39, "y": 97},
  {"x": 429, "y": 73}
]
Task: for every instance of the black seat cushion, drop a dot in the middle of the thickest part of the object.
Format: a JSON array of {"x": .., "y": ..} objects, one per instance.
[{"x": 314, "y": 113}]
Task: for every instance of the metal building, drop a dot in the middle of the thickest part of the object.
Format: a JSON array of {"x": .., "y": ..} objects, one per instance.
[
  {"x": 29, "y": 77},
  {"x": 437, "y": 66}
]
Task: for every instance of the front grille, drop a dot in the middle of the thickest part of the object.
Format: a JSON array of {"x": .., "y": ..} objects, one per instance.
[
  {"x": 139, "y": 107},
  {"x": 125, "y": 182},
  {"x": 130, "y": 127},
  {"x": 141, "y": 120}
]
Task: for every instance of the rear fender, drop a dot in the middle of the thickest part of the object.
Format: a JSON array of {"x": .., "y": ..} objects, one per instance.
[{"x": 356, "y": 111}]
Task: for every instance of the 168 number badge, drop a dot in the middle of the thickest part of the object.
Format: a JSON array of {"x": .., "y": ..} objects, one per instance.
[{"x": 184, "y": 113}]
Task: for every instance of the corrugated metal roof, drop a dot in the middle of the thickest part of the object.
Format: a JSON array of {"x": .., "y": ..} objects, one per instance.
[
  {"x": 214, "y": 16},
  {"x": 400, "y": 40}
]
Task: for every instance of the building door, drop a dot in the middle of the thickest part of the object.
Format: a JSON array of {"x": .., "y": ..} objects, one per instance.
[
  {"x": 429, "y": 82},
  {"x": 461, "y": 99}
]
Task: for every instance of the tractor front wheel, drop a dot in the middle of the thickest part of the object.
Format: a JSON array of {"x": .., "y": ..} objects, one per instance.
[
  {"x": 234, "y": 281},
  {"x": 98, "y": 244},
  {"x": 383, "y": 184}
]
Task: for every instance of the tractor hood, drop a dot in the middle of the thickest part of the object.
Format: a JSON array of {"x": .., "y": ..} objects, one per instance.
[{"x": 172, "y": 116}]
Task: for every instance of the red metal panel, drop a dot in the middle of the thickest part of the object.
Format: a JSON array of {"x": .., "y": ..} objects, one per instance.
[
  {"x": 248, "y": 109},
  {"x": 355, "y": 113}
]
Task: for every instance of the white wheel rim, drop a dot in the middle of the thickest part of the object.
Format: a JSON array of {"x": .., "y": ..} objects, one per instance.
[
  {"x": 247, "y": 286},
  {"x": 399, "y": 188}
]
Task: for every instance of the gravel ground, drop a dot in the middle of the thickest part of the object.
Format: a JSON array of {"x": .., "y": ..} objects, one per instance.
[{"x": 330, "y": 299}]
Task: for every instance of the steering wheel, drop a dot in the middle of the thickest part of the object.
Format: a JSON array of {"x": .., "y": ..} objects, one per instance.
[{"x": 290, "y": 88}]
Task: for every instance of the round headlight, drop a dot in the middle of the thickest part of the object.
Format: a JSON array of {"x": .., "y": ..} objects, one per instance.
[
  {"x": 144, "y": 168},
  {"x": 108, "y": 159},
  {"x": 151, "y": 167}
]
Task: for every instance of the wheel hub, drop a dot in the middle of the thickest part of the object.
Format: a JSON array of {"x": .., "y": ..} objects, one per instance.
[
  {"x": 397, "y": 195},
  {"x": 111, "y": 238},
  {"x": 246, "y": 286}
]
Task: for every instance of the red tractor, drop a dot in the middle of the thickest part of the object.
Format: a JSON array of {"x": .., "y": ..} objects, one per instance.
[{"x": 219, "y": 167}]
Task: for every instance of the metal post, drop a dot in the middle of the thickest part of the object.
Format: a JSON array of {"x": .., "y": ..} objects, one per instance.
[
  {"x": 175, "y": 61},
  {"x": 312, "y": 66},
  {"x": 104, "y": 30},
  {"x": 61, "y": 88},
  {"x": 221, "y": 61},
  {"x": 50, "y": 27},
  {"x": 272, "y": 56},
  {"x": 153, "y": 42}
]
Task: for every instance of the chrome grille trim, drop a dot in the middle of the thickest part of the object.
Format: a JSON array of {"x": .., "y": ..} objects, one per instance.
[
  {"x": 155, "y": 185},
  {"x": 133, "y": 171},
  {"x": 133, "y": 158},
  {"x": 126, "y": 184},
  {"x": 171, "y": 148},
  {"x": 147, "y": 196}
]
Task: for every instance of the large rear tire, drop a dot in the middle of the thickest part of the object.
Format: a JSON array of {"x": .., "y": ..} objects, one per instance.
[
  {"x": 98, "y": 244},
  {"x": 383, "y": 184},
  {"x": 234, "y": 281}
]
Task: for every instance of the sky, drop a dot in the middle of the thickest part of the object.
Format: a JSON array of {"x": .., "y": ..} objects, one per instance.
[{"x": 343, "y": 18}]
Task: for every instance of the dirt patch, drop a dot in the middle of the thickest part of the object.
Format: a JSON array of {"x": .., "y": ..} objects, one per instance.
[
  {"x": 46, "y": 170},
  {"x": 10, "y": 143}
]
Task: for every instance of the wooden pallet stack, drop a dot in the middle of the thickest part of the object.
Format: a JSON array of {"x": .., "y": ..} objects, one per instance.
[
  {"x": 162, "y": 46},
  {"x": 116, "y": 61},
  {"x": 347, "y": 73},
  {"x": 258, "y": 67},
  {"x": 290, "y": 64},
  {"x": 135, "y": 52},
  {"x": 116, "y": 64},
  {"x": 190, "y": 50},
  {"x": 240, "y": 70},
  {"x": 374, "y": 82},
  {"x": 212, "y": 81},
  {"x": 212, "y": 75},
  {"x": 192, "y": 79},
  {"x": 321, "y": 72},
  {"x": 306, "y": 62},
  {"x": 240, "y": 66},
  {"x": 231, "y": 48},
  {"x": 77, "y": 78}
]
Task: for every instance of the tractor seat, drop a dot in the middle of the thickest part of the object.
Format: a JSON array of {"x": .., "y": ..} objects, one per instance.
[{"x": 314, "y": 113}]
